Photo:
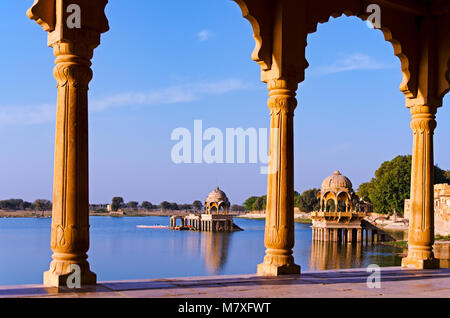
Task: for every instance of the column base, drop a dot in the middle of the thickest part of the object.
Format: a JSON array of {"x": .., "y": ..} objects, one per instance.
[
  {"x": 417, "y": 263},
  {"x": 277, "y": 270},
  {"x": 52, "y": 279}
]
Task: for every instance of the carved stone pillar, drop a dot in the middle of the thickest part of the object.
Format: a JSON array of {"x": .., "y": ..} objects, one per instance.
[
  {"x": 421, "y": 224},
  {"x": 74, "y": 28},
  {"x": 70, "y": 218},
  {"x": 279, "y": 229}
]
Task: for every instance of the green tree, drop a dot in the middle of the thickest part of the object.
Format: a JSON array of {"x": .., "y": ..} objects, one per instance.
[
  {"x": 147, "y": 205},
  {"x": 165, "y": 205},
  {"x": 258, "y": 204},
  {"x": 237, "y": 208},
  {"x": 25, "y": 205},
  {"x": 132, "y": 204},
  {"x": 248, "y": 204},
  {"x": 364, "y": 190},
  {"x": 12, "y": 204},
  {"x": 197, "y": 205},
  {"x": 42, "y": 205},
  {"x": 185, "y": 206},
  {"x": 308, "y": 200},
  {"x": 391, "y": 185},
  {"x": 297, "y": 199},
  {"x": 441, "y": 176},
  {"x": 116, "y": 203}
]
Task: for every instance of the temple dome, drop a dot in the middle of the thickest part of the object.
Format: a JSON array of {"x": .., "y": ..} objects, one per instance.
[
  {"x": 337, "y": 181},
  {"x": 217, "y": 196}
]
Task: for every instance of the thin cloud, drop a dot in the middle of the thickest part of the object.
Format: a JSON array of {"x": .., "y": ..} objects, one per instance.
[
  {"x": 204, "y": 35},
  {"x": 28, "y": 115},
  {"x": 172, "y": 95},
  {"x": 353, "y": 62},
  {"x": 46, "y": 113}
]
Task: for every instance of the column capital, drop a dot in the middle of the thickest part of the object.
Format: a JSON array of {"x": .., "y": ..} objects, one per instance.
[
  {"x": 282, "y": 94},
  {"x": 423, "y": 118},
  {"x": 73, "y": 64},
  {"x": 71, "y": 20}
]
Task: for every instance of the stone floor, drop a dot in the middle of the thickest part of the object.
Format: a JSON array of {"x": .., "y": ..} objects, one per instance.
[{"x": 395, "y": 282}]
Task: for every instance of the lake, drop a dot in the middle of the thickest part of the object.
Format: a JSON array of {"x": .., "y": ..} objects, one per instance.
[{"x": 120, "y": 251}]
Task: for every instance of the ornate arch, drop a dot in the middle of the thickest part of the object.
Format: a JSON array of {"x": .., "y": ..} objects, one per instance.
[
  {"x": 281, "y": 29},
  {"x": 357, "y": 9},
  {"x": 257, "y": 12}
]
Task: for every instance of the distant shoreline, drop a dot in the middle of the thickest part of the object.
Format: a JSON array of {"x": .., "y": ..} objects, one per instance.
[{"x": 48, "y": 214}]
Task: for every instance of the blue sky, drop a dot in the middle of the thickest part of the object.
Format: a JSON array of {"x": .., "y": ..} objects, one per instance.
[{"x": 167, "y": 63}]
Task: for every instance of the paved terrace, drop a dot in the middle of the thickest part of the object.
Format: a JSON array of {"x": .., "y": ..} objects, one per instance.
[{"x": 395, "y": 282}]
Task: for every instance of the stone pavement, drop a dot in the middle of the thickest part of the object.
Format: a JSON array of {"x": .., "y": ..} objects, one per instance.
[{"x": 351, "y": 283}]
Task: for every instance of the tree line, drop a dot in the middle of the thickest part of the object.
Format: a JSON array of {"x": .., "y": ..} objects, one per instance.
[
  {"x": 387, "y": 191},
  {"x": 21, "y": 205},
  {"x": 119, "y": 203},
  {"x": 390, "y": 187},
  {"x": 306, "y": 201}
]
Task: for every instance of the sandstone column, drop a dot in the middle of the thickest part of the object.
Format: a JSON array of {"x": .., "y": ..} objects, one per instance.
[
  {"x": 70, "y": 217},
  {"x": 421, "y": 226},
  {"x": 74, "y": 28},
  {"x": 279, "y": 229}
]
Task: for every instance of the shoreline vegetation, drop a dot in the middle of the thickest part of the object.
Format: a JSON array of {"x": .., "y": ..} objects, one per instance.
[
  {"x": 404, "y": 244},
  {"x": 48, "y": 214},
  {"x": 299, "y": 217}
]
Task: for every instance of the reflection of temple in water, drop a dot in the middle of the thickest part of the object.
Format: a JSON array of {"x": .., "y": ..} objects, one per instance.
[
  {"x": 211, "y": 246},
  {"x": 215, "y": 250},
  {"x": 331, "y": 255}
]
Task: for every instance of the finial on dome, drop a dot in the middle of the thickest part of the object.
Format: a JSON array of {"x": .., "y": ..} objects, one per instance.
[{"x": 337, "y": 172}]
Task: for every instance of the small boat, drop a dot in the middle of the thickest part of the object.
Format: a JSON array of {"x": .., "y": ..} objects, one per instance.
[{"x": 152, "y": 227}]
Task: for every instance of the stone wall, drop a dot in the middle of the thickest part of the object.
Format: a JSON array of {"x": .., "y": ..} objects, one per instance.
[{"x": 441, "y": 209}]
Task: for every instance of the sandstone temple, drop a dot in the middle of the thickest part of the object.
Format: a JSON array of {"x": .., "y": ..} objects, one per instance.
[
  {"x": 215, "y": 219},
  {"x": 338, "y": 220}
]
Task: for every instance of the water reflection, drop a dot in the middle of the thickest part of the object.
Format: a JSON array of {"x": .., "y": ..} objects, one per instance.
[
  {"x": 120, "y": 251},
  {"x": 215, "y": 250},
  {"x": 332, "y": 255},
  {"x": 208, "y": 247}
]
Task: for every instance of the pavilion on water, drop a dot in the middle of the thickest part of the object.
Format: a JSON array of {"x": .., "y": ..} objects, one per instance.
[
  {"x": 338, "y": 220},
  {"x": 215, "y": 219}
]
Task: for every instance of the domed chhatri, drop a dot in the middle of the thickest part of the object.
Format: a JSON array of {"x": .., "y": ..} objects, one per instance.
[
  {"x": 337, "y": 181},
  {"x": 217, "y": 199},
  {"x": 337, "y": 221},
  {"x": 215, "y": 219},
  {"x": 339, "y": 189}
]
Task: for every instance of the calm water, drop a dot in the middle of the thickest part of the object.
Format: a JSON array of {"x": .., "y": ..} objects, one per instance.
[{"x": 120, "y": 251}]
